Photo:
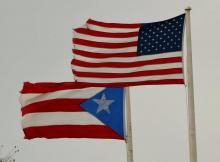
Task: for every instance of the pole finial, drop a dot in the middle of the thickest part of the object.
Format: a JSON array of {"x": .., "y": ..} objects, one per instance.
[{"x": 188, "y": 8}]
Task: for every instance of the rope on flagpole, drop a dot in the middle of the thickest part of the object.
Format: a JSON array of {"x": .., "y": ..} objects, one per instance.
[
  {"x": 128, "y": 126},
  {"x": 190, "y": 91}
]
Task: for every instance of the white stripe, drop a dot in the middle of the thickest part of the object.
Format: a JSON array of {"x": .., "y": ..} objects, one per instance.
[
  {"x": 105, "y": 50},
  {"x": 59, "y": 118},
  {"x": 129, "y": 59},
  {"x": 26, "y": 99},
  {"x": 104, "y": 39},
  {"x": 129, "y": 79},
  {"x": 111, "y": 30},
  {"x": 127, "y": 70}
]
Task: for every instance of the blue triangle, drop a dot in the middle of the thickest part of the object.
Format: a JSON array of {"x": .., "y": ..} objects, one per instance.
[{"x": 108, "y": 107}]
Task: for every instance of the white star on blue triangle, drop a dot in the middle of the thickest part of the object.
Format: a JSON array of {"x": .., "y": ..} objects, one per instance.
[
  {"x": 108, "y": 107},
  {"x": 103, "y": 104}
]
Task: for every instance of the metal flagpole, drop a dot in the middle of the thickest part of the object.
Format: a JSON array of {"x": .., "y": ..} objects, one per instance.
[
  {"x": 128, "y": 126},
  {"x": 190, "y": 91}
]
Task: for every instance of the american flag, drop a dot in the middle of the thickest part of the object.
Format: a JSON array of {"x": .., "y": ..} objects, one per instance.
[{"x": 114, "y": 54}]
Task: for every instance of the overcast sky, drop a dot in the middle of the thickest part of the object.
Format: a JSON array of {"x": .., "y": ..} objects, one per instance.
[{"x": 35, "y": 45}]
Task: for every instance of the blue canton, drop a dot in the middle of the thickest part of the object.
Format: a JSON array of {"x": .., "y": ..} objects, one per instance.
[{"x": 161, "y": 37}]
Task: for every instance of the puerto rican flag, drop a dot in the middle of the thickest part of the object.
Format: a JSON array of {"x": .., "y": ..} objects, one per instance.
[{"x": 69, "y": 110}]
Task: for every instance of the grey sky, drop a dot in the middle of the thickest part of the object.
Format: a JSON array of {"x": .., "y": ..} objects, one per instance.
[{"x": 35, "y": 45}]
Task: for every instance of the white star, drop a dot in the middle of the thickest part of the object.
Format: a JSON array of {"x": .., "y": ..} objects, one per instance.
[{"x": 103, "y": 104}]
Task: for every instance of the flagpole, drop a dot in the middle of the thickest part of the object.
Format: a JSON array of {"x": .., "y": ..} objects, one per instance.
[
  {"x": 129, "y": 144},
  {"x": 190, "y": 91}
]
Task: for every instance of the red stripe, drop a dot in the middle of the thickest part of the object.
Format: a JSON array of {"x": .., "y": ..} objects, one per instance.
[
  {"x": 112, "y": 25},
  {"x": 71, "y": 131},
  {"x": 105, "y": 34},
  {"x": 45, "y": 87},
  {"x": 54, "y": 105},
  {"x": 127, "y": 64},
  {"x": 103, "y": 55},
  {"x": 126, "y": 75},
  {"x": 103, "y": 44},
  {"x": 126, "y": 84}
]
